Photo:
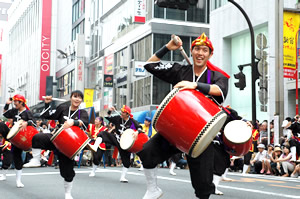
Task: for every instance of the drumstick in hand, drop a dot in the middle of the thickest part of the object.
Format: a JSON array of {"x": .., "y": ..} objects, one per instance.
[
  {"x": 55, "y": 99},
  {"x": 182, "y": 51}
]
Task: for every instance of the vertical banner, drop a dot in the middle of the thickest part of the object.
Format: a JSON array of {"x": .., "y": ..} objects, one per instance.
[
  {"x": 0, "y": 75},
  {"x": 140, "y": 11},
  {"x": 108, "y": 75},
  {"x": 290, "y": 28},
  {"x": 88, "y": 97},
  {"x": 45, "y": 45}
]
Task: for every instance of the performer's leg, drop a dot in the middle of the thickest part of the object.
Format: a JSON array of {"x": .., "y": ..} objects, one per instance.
[
  {"x": 17, "y": 158},
  {"x": 172, "y": 167},
  {"x": 201, "y": 172},
  {"x": 155, "y": 151},
  {"x": 96, "y": 161},
  {"x": 98, "y": 141},
  {"x": 247, "y": 159},
  {"x": 6, "y": 162},
  {"x": 39, "y": 141},
  {"x": 67, "y": 172}
]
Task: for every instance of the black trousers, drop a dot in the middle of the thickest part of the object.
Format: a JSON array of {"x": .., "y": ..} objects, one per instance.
[
  {"x": 42, "y": 141},
  {"x": 97, "y": 156},
  {"x": 112, "y": 139},
  {"x": 17, "y": 157},
  {"x": 7, "y": 158},
  {"x": 221, "y": 159},
  {"x": 295, "y": 143},
  {"x": 247, "y": 158},
  {"x": 158, "y": 149}
]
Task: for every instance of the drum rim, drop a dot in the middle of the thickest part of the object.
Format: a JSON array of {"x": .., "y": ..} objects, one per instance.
[
  {"x": 220, "y": 115},
  {"x": 80, "y": 148},
  {"x": 56, "y": 133},
  {"x": 163, "y": 105},
  {"x": 10, "y": 138}
]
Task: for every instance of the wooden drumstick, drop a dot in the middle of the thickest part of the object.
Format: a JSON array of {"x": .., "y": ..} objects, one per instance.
[
  {"x": 182, "y": 51},
  {"x": 56, "y": 99}
]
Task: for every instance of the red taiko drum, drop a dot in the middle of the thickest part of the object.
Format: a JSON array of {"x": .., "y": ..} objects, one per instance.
[
  {"x": 130, "y": 143},
  {"x": 237, "y": 138},
  {"x": 21, "y": 139},
  {"x": 188, "y": 120},
  {"x": 70, "y": 141}
]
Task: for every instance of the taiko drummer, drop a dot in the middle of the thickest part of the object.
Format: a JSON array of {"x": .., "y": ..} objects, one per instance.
[
  {"x": 20, "y": 113},
  {"x": 122, "y": 122},
  {"x": 67, "y": 117},
  {"x": 207, "y": 79}
]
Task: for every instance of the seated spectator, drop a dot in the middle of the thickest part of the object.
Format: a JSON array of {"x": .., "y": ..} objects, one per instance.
[
  {"x": 257, "y": 161},
  {"x": 274, "y": 164},
  {"x": 236, "y": 164},
  {"x": 296, "y": 172},
  {"x": 266, "y": 166},
  {"x": 285, "y": 160}
]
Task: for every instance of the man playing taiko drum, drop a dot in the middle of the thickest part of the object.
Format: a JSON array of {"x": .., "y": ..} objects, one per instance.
[
  {"x": 207, "y": 79},
  {"x": 67, "y": 117},
  {"x": 20, "y": 112}
]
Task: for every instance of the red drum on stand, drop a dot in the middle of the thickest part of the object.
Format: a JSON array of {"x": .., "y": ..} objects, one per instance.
[
  {"x": 237, "y": 138},
  {"x": 70, "y": 141},
  {"x": 188, "y": 120},
  {"x": 21, "y": 139},
  {"x": 127, "y": 141}
]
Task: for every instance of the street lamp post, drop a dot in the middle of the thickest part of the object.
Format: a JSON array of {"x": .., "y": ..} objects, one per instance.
[{"x": 253, "y": 71}]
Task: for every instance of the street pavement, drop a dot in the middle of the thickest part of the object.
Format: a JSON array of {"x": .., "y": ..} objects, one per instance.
[{"x": 46, "y": 182}]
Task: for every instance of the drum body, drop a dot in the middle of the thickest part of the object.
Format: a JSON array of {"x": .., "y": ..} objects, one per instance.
[
  {"x": 21, "y": 139},
  {"x": 237, "y": 138},
  {"x": 127, "y": 141},
  {"x": 70, "y": 141},
  {"x": 188, "y": 120}
]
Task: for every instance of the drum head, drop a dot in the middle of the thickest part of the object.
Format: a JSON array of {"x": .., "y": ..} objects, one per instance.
[
  {"x": 14, "y": 130},
  {"x": 207, "y": 134},
  {"x": 126, "y": 140},
  {"x": 237, "y": 132}
]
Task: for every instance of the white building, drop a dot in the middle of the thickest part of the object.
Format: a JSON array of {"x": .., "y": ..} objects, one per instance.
[{"x": 231, "y": 38}]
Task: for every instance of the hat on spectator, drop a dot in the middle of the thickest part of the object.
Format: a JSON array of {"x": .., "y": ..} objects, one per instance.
[
  {"x": 277, "y": 149},
  {"x": 148, "y": 119},
  {"x": 261, "y": 146},
  {"x": 271, "y": 145},
  {"x": 284, "y": 123}
]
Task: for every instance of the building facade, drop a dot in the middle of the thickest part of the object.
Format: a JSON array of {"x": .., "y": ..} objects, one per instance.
[
  {"x": 231, "y": 39},
  {"x": 124, "y": 35}
]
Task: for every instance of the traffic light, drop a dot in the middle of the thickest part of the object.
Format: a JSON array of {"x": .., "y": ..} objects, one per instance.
[
  {"x": 176, "y": 4},
  {"x": 242, "y": 80}
]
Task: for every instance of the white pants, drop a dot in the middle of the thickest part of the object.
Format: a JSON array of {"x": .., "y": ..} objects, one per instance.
[{"x": 287, "y": 166}]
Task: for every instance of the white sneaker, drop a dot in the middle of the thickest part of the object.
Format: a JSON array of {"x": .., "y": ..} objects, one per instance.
[
  {"x": 172, "y": 173},
  {"x": 153, "y": 195},
  {"x": 2, "y": 177},
  {"x": 141, "y": 169},
  {"x": 217, "y": 192},
  {"x": 123, "y": 180},
  {"x": 92, "y": 174},
  {"x": 20, "y": 184},
  {"x": 32, "y": 163}
]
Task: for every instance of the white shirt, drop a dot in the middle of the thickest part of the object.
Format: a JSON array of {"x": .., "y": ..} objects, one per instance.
[{"x": 260, "y": 156}]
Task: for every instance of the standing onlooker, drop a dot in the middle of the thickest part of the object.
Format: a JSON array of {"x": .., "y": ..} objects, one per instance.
[
  {"x": 287, "y": 133},
  {"x": 285, "y": 160},
  {"x": 263, "y": 133},
  {"x": 257, "y": 161}
]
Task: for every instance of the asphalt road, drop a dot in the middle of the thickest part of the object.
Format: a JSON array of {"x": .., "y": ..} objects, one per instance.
[{"x": 46, "y": 182}]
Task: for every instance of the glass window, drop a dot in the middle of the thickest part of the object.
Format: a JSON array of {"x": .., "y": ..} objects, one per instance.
[
  {"x": 186, "y": 46},
  {"x": 197, "y": 14},
  {"x": 160, "y": 90},
  {"x": 158, "y": 12},
  {"x": 175, "y": 14},
  {"x": 159, "y": 41}
]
